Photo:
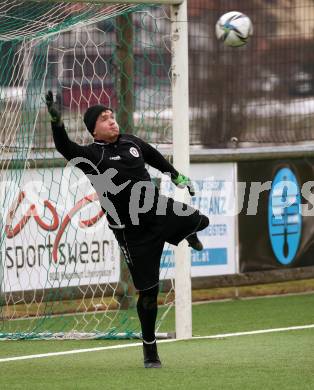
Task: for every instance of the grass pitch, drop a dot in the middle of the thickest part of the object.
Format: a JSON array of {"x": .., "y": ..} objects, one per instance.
[{"x": 261, "y": 361}]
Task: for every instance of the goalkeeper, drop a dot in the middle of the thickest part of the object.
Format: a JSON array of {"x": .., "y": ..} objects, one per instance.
[{"x": 141, "y": 219}]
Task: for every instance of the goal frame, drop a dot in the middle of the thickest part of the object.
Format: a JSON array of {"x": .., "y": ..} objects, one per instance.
[{"x": 180, "y": 132}]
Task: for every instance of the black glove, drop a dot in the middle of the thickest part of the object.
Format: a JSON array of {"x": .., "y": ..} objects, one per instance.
[
  {"x": 182, "y": 181},
  {"x": 55, "y": 114}
]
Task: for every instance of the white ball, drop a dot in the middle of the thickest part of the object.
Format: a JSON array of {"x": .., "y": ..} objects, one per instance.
[{"x": 234, "y": 29}]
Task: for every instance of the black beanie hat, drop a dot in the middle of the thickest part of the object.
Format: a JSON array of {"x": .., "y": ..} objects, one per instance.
[{"x": 91, "y": 115}]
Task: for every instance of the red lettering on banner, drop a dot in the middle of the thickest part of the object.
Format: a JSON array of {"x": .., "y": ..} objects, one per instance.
[
  {"x": 54, "y": 225},
  {"x": 31, "y": 212},
  {"x": 83, "y": 202}
]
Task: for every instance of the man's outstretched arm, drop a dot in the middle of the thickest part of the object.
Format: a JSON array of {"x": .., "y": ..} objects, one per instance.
[
  {"x": 64, "y": 145},
  {"x": 155, "y": 159}
]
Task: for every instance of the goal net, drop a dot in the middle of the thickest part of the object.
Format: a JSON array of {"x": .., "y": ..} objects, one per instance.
[{"x": 61, "y": 273}]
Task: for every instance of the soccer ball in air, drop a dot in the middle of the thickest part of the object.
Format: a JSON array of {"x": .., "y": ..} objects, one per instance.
[{"x": 234, "y": 29}]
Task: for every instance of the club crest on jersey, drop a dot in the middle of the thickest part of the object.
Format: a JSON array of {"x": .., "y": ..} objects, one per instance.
[{"x": 134, "y": 152}]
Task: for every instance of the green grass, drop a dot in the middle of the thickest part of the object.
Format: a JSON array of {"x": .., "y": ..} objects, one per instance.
[
  {"x": 265, "y": 361},
  {"x": 249, "y": 314}
]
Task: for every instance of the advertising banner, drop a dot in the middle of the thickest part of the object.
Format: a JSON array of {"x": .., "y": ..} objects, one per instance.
[
  {"x": 54, "y": 233},
  {"x": 276, "y": 227},
  {"x": 215, "y": 197}
]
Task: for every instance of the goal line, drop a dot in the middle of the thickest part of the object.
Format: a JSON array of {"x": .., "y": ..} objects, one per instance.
[{"x": 122, "y": 346}]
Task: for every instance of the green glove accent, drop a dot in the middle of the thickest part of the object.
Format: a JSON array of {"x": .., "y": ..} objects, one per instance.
[
  {"x": 52, "y": 109},
  {"x": 182, "y": 181}
]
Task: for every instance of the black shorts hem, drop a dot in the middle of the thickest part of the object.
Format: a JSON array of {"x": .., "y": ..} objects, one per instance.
[{"x": 147, "y": 288}]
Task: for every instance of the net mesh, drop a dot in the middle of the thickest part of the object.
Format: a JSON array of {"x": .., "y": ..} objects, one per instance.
[
  {"x": 60, "y": 269},
  {"x": 30, "y": 19},
  {"x": 260, "y": 94}
]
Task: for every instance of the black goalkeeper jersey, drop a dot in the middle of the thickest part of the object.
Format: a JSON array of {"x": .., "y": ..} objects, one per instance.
[{"x": 122, "y": 161}]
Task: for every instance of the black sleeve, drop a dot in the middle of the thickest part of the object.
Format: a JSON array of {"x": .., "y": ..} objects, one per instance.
[
  {"x": 155, "y": 159},
  {"x": 71, "y": 150},
  {"x": 65, "y": 146}
]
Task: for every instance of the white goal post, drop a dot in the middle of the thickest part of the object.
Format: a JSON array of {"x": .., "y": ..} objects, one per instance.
[
  {"x": 181, "y": 159},
  {"x": 180, "y": 128}
]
